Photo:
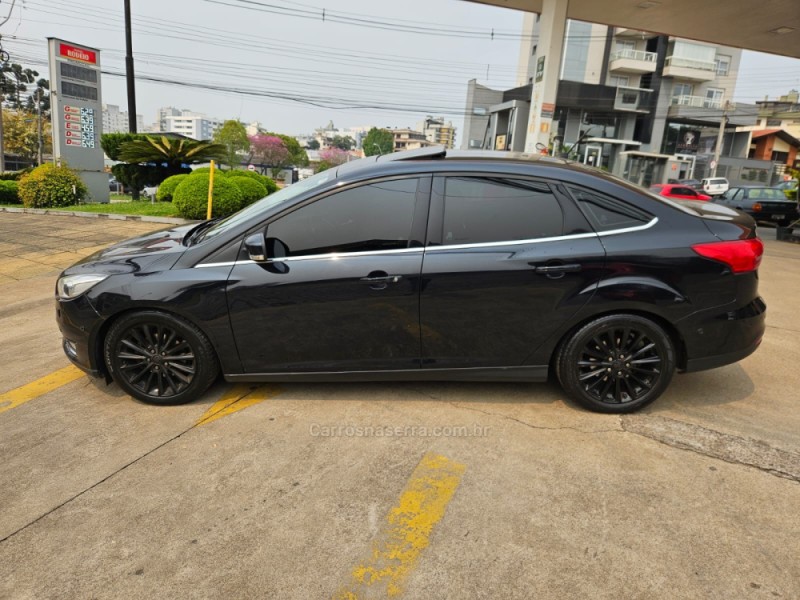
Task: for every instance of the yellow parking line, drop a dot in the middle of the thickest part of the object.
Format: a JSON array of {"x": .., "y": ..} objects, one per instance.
[
  {"x": 43, "y": 385},
  {"x": 407, "y": 530},
  {"x": 237, "y": 398}
]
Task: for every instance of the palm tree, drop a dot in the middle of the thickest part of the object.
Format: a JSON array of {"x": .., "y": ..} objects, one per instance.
[{"x": 173, "y": 152}]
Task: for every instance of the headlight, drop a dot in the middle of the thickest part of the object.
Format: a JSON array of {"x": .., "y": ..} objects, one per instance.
[{"x": 72, "y": 286}]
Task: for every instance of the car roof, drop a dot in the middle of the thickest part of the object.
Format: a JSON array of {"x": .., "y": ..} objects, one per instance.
[{"x": 439, "y": 153}]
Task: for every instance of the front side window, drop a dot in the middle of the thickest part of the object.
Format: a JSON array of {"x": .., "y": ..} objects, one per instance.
[
  {"x": 486, "y": 209},
  {"x": 368, "y": 218}
]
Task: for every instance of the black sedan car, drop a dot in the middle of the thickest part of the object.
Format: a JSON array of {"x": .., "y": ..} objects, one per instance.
[
  {"x": 762, "y": 203},
  {"x": 426, "y": 265}
]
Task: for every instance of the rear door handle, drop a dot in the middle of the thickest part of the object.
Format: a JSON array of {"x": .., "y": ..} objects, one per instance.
[{"x": 558, "y": 269}]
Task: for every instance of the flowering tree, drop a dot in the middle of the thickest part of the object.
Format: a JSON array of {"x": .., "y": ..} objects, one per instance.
[
  {"x": 271, "y": 152},
  {"x": 334, "y": 156}
]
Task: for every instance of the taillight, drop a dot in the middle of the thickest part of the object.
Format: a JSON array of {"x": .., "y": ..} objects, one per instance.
[
  {"x": 741, "y": 256},
  {"x": 757, "y": 207}
]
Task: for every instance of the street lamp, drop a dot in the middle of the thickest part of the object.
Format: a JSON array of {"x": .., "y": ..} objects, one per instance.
[{"x": 375, "y": 145}]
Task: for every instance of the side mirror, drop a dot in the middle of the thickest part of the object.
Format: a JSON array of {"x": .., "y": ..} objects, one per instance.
[{"x": 256, "y": 247}]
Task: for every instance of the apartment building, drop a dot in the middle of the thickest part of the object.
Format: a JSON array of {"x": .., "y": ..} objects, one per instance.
[
  {"x": 116, "y": 121},
  {"x": 409, "y": 139},
  {"x": 643, "y": 105},
  {"x": 191, "y": 124},
  {"x": 437, "y": 131}
]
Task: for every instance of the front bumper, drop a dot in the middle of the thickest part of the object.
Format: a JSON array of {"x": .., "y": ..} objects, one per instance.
[{"x": 79, "y": 324}]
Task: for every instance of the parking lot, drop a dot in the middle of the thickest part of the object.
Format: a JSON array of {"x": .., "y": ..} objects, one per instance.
[{"x": 412, "y": 490}]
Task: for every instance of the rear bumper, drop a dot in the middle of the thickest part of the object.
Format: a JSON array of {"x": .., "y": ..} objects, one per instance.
[{"x": 719, "y": 339}]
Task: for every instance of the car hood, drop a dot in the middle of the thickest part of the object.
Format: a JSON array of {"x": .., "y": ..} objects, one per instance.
[{"x": 156, "y": 251}]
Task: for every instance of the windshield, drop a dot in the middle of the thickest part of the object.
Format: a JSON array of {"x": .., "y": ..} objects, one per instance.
[{"x": 265, "y": 204}]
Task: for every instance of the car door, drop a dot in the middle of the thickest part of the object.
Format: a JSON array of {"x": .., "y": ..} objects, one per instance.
[
  {"x": 340, "y": 288},
  {"x": 506, "y": 262}
]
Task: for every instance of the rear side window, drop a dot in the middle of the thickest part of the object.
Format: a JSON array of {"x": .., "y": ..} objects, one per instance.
[
  {"x": 487, "y": 209},
  {"x": 606, "y": 213}
]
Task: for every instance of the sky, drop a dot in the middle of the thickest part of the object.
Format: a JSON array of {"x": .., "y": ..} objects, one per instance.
[{"x": 282, "y": 64}]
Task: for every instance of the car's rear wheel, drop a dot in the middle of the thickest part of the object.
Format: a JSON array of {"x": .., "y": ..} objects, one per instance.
[
  {"x": 159, "y": 358},
  {"x": 616, "y": 363}
]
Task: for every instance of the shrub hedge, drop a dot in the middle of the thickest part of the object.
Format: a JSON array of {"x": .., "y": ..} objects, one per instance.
[
  {"x": 51, "y": 186},
  {"x": 251, "y": 189},
  {"x": 191, "y": 197},
  {"x": 167, "y": 188},
  {"x": 9, "y": 192}
]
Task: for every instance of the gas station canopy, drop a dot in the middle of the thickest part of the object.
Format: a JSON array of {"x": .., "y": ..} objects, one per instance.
[{"x": 771, "y": 26}]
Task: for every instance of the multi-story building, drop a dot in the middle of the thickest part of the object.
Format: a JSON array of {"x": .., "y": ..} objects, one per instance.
[
  {"x": 409, "y": 139},
  {"x": 783, "y": 113},
  {"x": 191, "y": 124},
  {"x": 437, "y": 131},
  {"x": 639, "y": 104},
  {"x": 116, "y": 121}
]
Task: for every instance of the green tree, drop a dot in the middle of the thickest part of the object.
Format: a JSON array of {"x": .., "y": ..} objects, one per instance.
[
  {"x": 233, "y": 136},
  {"x": 312, "y": 144},
  {"x": 343, "y": 142},
  {"x": 21, "y": 134},
  {"x": 14, "y": 82},
  {"x": 378, "y": 141},
  {"x": 173, "y": 152}
]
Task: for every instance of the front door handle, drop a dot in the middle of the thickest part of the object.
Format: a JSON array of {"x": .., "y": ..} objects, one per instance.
[{"x": 380, "y": 280}]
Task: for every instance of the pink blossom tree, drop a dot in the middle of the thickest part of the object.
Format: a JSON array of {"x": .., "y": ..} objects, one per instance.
[
  {"x": 270, "y": 151},
  {"x": 334, "y": 156}
]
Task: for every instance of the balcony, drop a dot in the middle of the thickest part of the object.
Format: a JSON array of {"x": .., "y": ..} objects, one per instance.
[
  {"x": 633, "y": 61},
  {"x": 630, "y": 99},
  {"x": 687, "y": 68},
  {"x": 696, "y": 101}
]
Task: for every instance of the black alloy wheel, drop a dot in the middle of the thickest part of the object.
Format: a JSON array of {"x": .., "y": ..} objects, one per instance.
[
  {"x": 617, "y": 364},
  {"x": 159, "y": 358}
]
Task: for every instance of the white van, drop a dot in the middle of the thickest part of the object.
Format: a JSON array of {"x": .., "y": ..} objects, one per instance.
[{"x": 715, "y": 186}]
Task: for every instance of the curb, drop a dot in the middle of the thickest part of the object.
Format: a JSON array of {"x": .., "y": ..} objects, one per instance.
[{"x": 88, "y": 215}]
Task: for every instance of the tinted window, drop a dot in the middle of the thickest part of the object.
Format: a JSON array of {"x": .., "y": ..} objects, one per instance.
[
  {"x": 363, "y": 219},
  {"x": 682, "y": 191},
  {"x": 606, "y": 213},
  {"x": 767, "y": 194},
  {"x": 482, "y": 209}
]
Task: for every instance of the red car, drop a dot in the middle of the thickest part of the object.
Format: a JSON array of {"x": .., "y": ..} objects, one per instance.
[{"x": 672, "y": 190}]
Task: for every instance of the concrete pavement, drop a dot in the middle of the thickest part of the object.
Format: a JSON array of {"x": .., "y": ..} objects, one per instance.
[{"x": 425, "y": 490}]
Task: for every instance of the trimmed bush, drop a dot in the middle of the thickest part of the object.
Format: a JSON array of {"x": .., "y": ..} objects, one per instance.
[
  {"x": 207, "y": 170},
  {"x": 167, "y": 188},
  {"x": 51, "y": 186},
  {"x": 191, "y": 197},
  {"x": 9, "y": 192},
  {"x": 15, "y": 175},
  {"x": 267, "y": 182},
  {"x": 251, "y": 189}
]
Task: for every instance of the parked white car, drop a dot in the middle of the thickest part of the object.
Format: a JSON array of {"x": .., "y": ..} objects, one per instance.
[{"x": 715, "y": 186}]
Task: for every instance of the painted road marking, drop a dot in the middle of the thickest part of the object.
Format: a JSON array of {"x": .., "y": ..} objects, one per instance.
[
  {"x": 407, "y": 530},
  {"x": 41, "y": 386},
  {"x": 237, "y": 398}
]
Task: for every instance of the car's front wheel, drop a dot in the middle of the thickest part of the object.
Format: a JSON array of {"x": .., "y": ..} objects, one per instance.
[
  {"x": 159, "y": 358},
  {"x": 616, "y": 363}
]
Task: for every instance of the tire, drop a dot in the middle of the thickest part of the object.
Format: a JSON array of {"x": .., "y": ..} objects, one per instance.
[
  {"x": 619, "y": 385},
  {"x": 159, "y": 358}
]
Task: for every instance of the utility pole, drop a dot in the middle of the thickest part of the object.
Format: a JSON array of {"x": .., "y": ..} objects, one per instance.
[
  {"x": 129, "y": 69},
  {"x": 720, "y": 137},
  {"x": 39, "y": 117},
  {"x": 2, "y": 145}
]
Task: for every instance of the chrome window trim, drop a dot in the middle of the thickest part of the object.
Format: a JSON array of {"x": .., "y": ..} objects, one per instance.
[{"x": 335, "y": 255}]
